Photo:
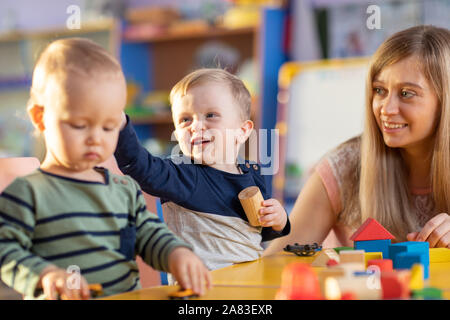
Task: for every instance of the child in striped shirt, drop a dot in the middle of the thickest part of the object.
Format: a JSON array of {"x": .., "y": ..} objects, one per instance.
[{"x": 71, "y": 223}]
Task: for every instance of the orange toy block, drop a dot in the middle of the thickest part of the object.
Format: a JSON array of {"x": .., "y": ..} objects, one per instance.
[
  {"x": 371, "y": 230},
  {"x": 324, "y": 256}
]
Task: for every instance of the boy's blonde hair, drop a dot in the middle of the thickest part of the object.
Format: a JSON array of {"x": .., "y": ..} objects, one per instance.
[
  {"x": 65, "y": 58},
  {"x": 383, "y": 189},
  {"x": 238, "y": 90}
]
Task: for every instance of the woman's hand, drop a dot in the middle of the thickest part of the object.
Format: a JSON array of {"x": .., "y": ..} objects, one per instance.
[{"x": 436, "y": 231}]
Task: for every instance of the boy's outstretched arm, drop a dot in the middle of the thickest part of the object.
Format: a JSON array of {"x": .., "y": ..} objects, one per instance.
[{"x": 158, "y": 177}]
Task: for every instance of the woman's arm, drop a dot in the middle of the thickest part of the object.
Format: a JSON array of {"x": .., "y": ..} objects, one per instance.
[{"x": 312, "y": 217}]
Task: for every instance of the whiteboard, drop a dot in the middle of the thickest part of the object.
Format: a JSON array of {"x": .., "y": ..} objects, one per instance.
[{"x": 326, "y": 107}]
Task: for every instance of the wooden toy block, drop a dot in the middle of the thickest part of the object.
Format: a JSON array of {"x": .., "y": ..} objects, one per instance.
[
  {"x": 324, "y": 256},
  {"x": 349, "y": 256},
  {"x": 372, "y": 256},
  {"x": 428, "y": 293},
  {"x": 332, "y": 272},
  {"x": 405, "y": 260},
  {"x": 299, "y": 282},
  {"x": 331, "y": 290},
  {"x": 439, "y": 255},
  {"x": 339, "y": 249},
  {"x": 409, "y": 246},
  {"x": 366, "y": 287},
  {"x": 416, "y": 282},
  {"x": 371, "y": 230},
  {"x": 395, "y": 285},
  {"x": 384, "y": 265},
  {"x": 352, "y": 267},
  {"x": 251, "y": 199},
  {"x": 374, "y": 246}
]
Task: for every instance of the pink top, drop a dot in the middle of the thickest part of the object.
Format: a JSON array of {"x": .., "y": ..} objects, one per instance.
[{"x": 343, "y": 161}]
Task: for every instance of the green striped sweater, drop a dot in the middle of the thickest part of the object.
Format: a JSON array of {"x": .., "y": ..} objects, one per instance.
[{"x": 96, "y": 228}]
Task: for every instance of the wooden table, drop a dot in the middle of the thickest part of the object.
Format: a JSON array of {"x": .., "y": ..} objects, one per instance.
[{"x": 260, "y": 279}]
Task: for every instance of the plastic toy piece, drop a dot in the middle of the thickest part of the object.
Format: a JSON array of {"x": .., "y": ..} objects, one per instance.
[
  {"x": 439, "y": 255},
  {"x": 416, "y": 282},
  {"x": 371, "y": 230},
  {"x": 303, "y": 250},
  {"x": 251, "y": 199},
  {"x": 324, "y": 257},
  {"x": 384, "y": 265},
  {"x": 352, "y": 256},
  {"x": 183, "y": 295},
  {"x": 374, "y": 246},
  {"x": 299, "y": 282},
  {"x": 372, "y": 256}
]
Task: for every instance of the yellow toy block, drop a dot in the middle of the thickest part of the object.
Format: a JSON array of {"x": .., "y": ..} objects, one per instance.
[
  {"x": 416, "y": 277},
  {"x": 439, "y": 255},
  {"x": 372, "y": 256}
]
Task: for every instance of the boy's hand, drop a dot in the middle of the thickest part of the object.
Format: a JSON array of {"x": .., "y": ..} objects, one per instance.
[
  {"x": 273, "y": 215},
  {"x": 54, "y": 281},
  {"x": 189, "y": 270},
  {"x": 436, "y": 231}
]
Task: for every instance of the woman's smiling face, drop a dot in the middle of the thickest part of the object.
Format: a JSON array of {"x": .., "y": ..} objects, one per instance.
[{"x": 405, "y": 105}]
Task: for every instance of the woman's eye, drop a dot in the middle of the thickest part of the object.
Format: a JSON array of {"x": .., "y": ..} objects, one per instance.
[
  {"x": 378, "y": 90},
  {"x": 407, "y": 94}
]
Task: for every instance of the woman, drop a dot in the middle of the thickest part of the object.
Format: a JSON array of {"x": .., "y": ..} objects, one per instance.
[{"x": 398, "y": 170}]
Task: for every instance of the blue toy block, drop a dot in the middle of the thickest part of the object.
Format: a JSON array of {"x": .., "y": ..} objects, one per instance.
[
  {"x": 374, "y": 246},
  {"x": 405, "y": 260},
  {"x": 410, "y": 246}
]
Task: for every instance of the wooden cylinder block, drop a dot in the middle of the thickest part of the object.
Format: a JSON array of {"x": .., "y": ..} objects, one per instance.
[{"x": 251, "y": 199}]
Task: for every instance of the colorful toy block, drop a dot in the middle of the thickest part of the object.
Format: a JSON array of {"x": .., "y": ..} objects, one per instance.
[
  {"x": 384, "y": 265},
  {"x": 324, "y": 256},
  {"x": 374, "y": 246},
  {"x": 352, "y": 256},
  {"x": 298, "y": 282},
  {"x": 405, "y": 260},
  {"x": 429, "y": 293},
  {"x": 372, "y": 256},
  {"x": 439, "y": 255},
  {"x": 419, "y": 254},
  {"x": 416, "y": 282},
  {"x": 339, "y": 249},
  {"x": 395, "y": 285},
  {"x": 371, "y": 230}
]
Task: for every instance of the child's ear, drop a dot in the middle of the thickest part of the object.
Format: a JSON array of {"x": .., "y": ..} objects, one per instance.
[
  {"x": 36, "y": 114},
  {"x": 246, "y": 130}
]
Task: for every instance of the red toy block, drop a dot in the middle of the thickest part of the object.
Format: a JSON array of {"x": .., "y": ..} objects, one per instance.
[
  {"x": 395, "y": 285},
  {"x": 348, "y": 296},
  {"x": 371, "y": 230},
  {"x": 299, "y": 282},
  {"x": 385, "y": 265}
]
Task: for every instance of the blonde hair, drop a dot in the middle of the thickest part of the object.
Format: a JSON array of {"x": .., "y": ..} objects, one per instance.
[
  {"x": 64, "y": 58},
  {"x": 238, "y": 90},
  {"x": 383, "y": 185}
]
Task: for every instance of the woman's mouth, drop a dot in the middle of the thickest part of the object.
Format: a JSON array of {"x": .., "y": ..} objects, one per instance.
[{"x": 392, "y": 126}]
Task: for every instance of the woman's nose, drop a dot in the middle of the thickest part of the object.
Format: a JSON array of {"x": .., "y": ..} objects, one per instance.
[{"x": 390, "y": 105}]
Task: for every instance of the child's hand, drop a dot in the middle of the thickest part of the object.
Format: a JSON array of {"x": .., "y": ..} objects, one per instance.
[
  {"x": 53, "y": 281},
  {"x": 189, "y": 270},
  {"x": 436, "y": 231},
  {"x": 273, "y": 215}
]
